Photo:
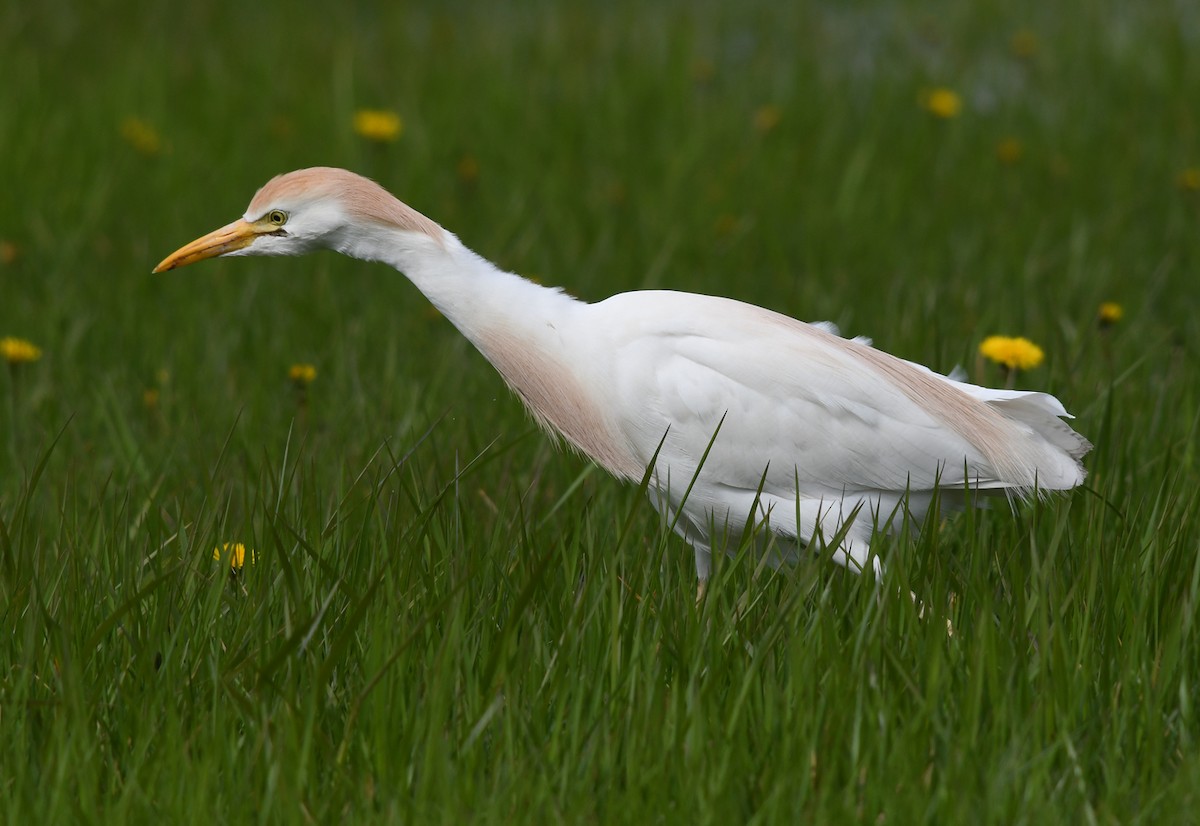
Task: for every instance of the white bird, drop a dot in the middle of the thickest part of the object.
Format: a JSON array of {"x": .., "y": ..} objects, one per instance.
[{"x": 750, "y": 418}]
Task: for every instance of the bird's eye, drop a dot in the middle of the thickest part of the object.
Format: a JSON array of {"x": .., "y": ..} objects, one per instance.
[{"x": 277, "y": 217}]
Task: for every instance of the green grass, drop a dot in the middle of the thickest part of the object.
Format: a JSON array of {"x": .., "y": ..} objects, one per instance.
[{"x": 447, "y": 619}]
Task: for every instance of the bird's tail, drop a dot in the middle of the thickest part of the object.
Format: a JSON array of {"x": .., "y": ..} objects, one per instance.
[{"x": 1059, "y": 447}]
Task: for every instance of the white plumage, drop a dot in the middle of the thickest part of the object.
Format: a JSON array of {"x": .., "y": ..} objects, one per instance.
[{"x": 803, "y": 429}]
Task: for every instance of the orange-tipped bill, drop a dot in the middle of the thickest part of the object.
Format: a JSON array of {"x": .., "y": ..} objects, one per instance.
[{"x": 221, "y": 241}]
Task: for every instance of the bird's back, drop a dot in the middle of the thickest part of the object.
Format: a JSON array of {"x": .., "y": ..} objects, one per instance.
[{"x": 826, "y": 413}]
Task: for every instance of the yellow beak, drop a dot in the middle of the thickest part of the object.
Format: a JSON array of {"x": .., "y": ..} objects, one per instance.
[{"x": 228, "y": 238}]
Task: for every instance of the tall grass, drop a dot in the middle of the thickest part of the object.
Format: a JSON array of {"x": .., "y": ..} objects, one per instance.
[{"x": 444, "y": 618}]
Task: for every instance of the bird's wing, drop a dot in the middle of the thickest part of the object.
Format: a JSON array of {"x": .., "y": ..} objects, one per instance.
[{"x": 792, "y": 402}]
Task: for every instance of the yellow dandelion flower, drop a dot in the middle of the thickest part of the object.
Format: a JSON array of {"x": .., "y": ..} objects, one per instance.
[
  {"x": 150, "y": 398},
  {"x": 1189, "y": 179},
  {"x": 141, "y": 136},
  {"x": 1009, "y": 151},
  {"x": 236, "y": 553},
  {"x": 1023, "y": 44},
  {"x": 9, "y": 252},
  {"x": 302, "y": 373},
  {"x": 942, "y": 103},
  {"x": 1110, "y": 313},
  {"x": 767, "y": 118},
  {"x": 378, "y": 125},
  {"x": 18, "y": 350},
  {"x": 1014, "y": 353}
]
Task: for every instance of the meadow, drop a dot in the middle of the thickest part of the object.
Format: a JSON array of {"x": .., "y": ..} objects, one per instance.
[{"x": 442, "y": 617}]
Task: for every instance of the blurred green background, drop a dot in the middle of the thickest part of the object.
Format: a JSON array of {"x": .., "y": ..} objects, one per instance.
[{"x": 446, "y": 617}]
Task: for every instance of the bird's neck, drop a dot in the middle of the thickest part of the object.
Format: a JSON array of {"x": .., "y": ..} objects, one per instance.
[
  {"x": 529, "y": 333},
  {"x": 476, "y": 296}
]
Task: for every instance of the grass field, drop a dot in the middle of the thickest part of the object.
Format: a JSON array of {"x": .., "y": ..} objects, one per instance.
[{"x": 442, "y": 617}]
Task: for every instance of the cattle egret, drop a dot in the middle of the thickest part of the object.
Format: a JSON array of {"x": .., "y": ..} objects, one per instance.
[{"x": 749, "y": 418}]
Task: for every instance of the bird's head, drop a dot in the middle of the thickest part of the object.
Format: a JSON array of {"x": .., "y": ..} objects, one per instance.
[{"x": 300, "y": 211}]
